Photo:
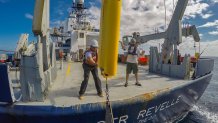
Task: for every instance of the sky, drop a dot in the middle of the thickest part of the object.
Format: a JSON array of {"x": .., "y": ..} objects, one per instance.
[{"x": 137, "y": 15}]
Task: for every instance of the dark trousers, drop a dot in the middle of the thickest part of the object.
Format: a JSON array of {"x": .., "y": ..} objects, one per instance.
[{"x": 87, "y": 69}]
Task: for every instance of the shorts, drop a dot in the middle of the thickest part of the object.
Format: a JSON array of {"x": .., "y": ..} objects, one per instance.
[{"x": 132, "y": 67}]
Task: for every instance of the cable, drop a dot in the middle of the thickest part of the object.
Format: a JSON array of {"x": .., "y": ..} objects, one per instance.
[{"x": 204, "y": 49}]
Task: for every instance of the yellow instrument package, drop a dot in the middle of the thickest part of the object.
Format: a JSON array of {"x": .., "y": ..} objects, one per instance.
[
  {"x": 109, "y": 36},
  {"x": 197, "y": 55}
]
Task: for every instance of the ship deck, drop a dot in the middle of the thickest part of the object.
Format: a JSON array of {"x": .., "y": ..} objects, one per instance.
[{"x": 64, "y": 91}]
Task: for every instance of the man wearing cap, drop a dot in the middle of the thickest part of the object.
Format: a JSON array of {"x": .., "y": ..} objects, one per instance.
[
  {"x": 132, "y": 61},
  {"x": 90, "y": 65}
]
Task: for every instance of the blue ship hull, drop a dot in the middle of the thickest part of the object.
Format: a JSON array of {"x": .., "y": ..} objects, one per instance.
[{"x": 163, "y": 107}]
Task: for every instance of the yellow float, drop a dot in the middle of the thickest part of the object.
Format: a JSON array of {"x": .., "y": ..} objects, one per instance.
[{"x": 109, "y": 36}]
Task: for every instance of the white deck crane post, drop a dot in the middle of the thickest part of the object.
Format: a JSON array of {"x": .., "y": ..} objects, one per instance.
[
  {"x": 21, "y": 45},
  {"x": 41, "y": 29},
  {"x": 38, "y": 67},
  {"x": 172, "y": 38}
]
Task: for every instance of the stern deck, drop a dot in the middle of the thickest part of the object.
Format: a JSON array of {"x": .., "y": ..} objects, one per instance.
[{"x": 64, "y": 91}]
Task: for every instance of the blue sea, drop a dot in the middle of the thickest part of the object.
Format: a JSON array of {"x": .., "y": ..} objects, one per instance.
[{"x": 206, "y": 110}]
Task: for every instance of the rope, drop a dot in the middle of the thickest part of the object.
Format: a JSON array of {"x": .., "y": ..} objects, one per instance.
[
  {"x": 109, "y": 113},
  {"x": 204, "y": 49}
]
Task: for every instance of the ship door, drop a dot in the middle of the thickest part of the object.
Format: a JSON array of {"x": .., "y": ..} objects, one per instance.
[{"x": 81, "y": 53}]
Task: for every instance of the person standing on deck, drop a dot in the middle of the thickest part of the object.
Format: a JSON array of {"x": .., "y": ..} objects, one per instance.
[
  {"x": 132, "y": 61},
  {"x": 61, "y": 58},
  {"x": 90, "y": 65}
]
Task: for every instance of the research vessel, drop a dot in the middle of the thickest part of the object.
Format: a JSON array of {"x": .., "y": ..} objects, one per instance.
[{"x": 39, "y": 91}]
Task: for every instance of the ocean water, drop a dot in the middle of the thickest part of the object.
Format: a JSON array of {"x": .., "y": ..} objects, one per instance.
[{"x": 206, "y": 110}]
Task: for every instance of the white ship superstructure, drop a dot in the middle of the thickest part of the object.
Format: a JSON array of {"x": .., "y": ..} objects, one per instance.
[{"x": 73, "y": 36}]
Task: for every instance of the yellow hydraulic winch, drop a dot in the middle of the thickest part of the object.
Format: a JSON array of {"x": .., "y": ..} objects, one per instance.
[{"x": 109, "y": 37}]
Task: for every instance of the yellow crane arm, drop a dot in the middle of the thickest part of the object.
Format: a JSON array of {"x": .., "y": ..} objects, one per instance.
[{"x": 41, "y": 17}]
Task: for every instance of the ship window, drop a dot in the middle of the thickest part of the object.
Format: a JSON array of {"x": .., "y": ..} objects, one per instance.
[{"x": 81, "y": 35}]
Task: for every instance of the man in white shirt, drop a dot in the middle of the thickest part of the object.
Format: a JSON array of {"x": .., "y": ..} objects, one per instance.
[{"x": 132, "y": 61}]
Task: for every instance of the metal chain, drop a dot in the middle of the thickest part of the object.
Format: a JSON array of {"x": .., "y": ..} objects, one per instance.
[
  {"x": 109, "y": 119},
  {"x": 107, "y": 93}
]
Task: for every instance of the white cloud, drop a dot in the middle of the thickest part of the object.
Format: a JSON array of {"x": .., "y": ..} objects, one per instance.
[
  {"x": 61, "y": 8},
  {"x": 145, "y": 15},
  {"x": 214, "y": 1},
  {"x": 29, "y": 16},
  {"x": 213, "y": 32},
  {"x": 206, "y": 16},
  {"x": 94, "y": 17},
  {"x": 57, "y": 23},
  {"x": 210, "y": 24},
  {"x": 187, "y": 47},
  {"x": 196, "y": 7}
]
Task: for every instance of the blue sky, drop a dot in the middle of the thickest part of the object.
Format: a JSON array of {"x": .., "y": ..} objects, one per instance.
[{"x": 15, "y": 17}]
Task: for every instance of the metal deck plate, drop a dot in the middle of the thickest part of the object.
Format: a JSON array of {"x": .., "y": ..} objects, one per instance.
[{"x": 64, "y": 91}]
